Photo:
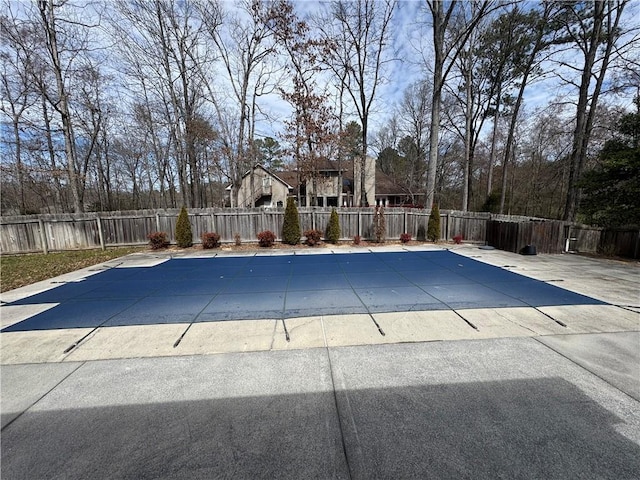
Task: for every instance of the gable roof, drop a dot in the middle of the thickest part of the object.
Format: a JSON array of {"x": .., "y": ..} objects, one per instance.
[{"x": 268, "y": 172}]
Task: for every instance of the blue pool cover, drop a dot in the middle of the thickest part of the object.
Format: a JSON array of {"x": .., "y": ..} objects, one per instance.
[{"x": 287, "y": 286}]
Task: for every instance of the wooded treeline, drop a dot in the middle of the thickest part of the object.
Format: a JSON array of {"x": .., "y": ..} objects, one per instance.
[{"x": 131, "y": 104}]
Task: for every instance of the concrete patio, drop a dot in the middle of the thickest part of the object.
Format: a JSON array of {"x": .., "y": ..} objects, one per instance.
[{"x": 547, "y": 392}]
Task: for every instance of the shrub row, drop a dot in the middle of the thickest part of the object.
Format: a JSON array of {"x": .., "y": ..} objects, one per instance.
[{"x": 291, "y": 231}]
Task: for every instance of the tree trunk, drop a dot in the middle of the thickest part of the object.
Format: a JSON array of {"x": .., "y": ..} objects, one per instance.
[
  {"x": 439, "y": 27},
  {"x": 586, "y": 108},
  {"x": 434, "y": 135},
  {"x": 19, "y": 169},
  {"x": 494, "y": 137},
  {"x": 467, "y": 139},
  {"x": 49, "y": 24}
]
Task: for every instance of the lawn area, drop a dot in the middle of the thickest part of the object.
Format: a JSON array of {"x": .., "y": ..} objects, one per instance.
[{"x": 20, "y": 270}]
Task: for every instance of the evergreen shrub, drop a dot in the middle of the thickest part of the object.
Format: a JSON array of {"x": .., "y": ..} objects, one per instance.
[
  {"x": 291, "y": 224},
  {"x": 184, "y": 235},
  {"x": 333, "y": 229}
]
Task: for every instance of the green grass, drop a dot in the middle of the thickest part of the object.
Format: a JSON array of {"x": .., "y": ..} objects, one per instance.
[{"x": 20, "y": 270}]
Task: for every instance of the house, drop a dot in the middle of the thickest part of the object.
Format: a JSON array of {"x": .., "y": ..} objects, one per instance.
[
  {"x": 390, "y": 194},
  {"x": 320, "y": 188},
  {"x": 261, "y": 188}
]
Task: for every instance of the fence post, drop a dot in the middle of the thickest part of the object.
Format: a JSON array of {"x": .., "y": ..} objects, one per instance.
[
  {"x": 359, "y": 224},
  {"x": 157, "y": 222},
  {"x": 404, "y": 220},
  {"x": 447, "y": 230},
  {"x": 43, "y": 237},
  {"x": 100, "y": 235}
]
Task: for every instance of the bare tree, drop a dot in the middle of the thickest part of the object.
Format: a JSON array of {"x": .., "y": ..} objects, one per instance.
[
  {"x": 245, "y": 44},
  {"x": 448, "y": 43},
  {"x": 50, "y": 42},
  {"x": 364, "y": 33},
  {"x": 468, "y": 100},
  {"x": 593, "y": 28},
  {"x": 313, "y": 129},
  {"x": 17, "y": 94},
  {"x": 64, "y": 41},
  {"x": 166, "y": 45},
  {"x": 414, "y": 112},
  {"x": 537, "y": 31}
]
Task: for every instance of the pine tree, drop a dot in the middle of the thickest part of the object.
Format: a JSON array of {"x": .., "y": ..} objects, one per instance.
[
  {"x": 291, "y": 224},
  {"x": 184, "y": 236},
  {"x": 433, "y": 227},
  {"x": 333, "y": 229}
]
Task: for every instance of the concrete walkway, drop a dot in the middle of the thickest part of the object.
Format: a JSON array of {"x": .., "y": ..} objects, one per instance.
[{"x": 521, "y": 396}]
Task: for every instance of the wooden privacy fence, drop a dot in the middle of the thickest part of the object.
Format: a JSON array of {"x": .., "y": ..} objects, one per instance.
[
  {"x": 622, "y": 242},
  {"x": 548, "y": 236},
  {"x": 553, "y": 236},
  {"x": 43, "y": 233}
]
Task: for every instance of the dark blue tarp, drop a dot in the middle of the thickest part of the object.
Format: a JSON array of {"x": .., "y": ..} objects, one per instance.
[{"x": 287, "y": 286}]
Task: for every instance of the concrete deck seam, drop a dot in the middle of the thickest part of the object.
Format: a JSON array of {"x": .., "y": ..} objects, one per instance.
[
  {"x": 585, "y": 368},
  {"x": 515, "y": 322},
  {"x": 273, "y": 334},
  {"x": 337, "y": 405},
  {"x": 42, "y": 396},
  {"x": 324, "y": 333}
]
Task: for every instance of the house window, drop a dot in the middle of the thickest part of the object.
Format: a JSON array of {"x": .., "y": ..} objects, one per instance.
[
  {"x": 266, "y": 181},
  {"x": 332, "y": 201}
]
